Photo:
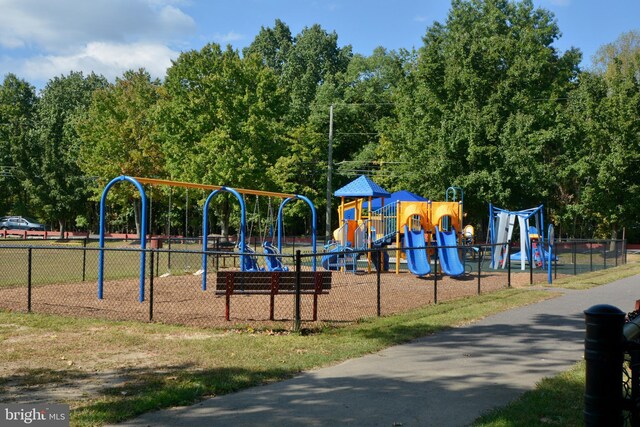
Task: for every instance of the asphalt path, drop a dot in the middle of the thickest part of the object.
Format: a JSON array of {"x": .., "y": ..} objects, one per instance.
[{"x": 446, "y": 379}]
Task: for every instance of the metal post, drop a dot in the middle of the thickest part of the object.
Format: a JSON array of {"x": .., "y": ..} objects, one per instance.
[
  {"x": 530, "y": 263},
  {"x": 380, "y": 256},
  {"x": 151, "y": 286},
  {"x": 604, "y": 249},
  {"x": 575, "y": 258},
  {"x": 296, "y": 324},
  {"x": 84, "y": 259},
  {"x": 603, "y": 353},
  {"x": 29, "y": 265},
  {"x": 435, "y": 279},
  {"x": 479, "y": 270},
  {"x": 615, "y": 250},
  {"x": 590, "y": 256},
  {"x": 327, "y": 235},
  {"x": 509, "y": 267}
]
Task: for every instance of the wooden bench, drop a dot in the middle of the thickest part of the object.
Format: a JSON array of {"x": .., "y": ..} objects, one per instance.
[{"x": 272, "y": 283}]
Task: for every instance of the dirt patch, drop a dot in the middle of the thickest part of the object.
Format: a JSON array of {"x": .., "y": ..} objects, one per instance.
[{"x": 181, "y": 300}]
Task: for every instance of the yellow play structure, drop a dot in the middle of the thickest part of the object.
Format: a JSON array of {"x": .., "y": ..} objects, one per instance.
[{"x": 369, "y": 223}]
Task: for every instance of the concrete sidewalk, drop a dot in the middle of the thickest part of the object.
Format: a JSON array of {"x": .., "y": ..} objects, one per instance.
[{"x": 447, "y": 379}]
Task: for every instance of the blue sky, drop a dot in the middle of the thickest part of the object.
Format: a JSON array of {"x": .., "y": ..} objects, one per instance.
[{"x": 40, "y": 39}]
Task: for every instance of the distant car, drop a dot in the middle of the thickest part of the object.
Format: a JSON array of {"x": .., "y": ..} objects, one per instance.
[{"x": 19, "y": 223}]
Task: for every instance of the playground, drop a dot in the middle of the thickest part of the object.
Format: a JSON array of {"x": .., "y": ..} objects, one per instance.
[{"x": 392, "y": 253}]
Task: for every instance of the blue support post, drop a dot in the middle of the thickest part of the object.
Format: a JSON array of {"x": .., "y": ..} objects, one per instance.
[
  {"x": 313, "y": 225},
  {"x": 205, "y": 231},
  {"x": 143, "y": 233}
]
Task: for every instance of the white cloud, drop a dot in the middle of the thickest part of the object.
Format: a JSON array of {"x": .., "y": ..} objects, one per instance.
[
  {"x": 41, "y": 39},
  {"x": 64, "y": 25},
  {"x": 108, "y": 59}
]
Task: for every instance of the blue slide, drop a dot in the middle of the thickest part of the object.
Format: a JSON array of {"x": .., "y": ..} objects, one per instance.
[
  {"x": 449, "y": 258},
  {"x": 417, "y": 259}
]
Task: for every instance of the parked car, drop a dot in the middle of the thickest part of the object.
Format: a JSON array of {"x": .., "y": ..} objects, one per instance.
[{"x": 19, "y": 223}]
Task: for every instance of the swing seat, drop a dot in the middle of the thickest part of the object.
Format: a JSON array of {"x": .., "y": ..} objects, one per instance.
[
  {"x": 273, "y": 260},
  {"x": 250, "y": 260}
]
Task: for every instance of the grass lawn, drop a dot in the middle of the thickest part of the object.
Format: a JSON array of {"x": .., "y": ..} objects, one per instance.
[
  {"x": 112, "y": 371},
  {"x": 53, "y": 265}
]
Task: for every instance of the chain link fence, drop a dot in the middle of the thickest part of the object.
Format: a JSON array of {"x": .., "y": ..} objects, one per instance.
[{"x": 294, "y": 289}]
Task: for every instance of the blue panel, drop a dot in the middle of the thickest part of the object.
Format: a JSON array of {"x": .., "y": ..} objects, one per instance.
[{"x": 350, "y": 214}]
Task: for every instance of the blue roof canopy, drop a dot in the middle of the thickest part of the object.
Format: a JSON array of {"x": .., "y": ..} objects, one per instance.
[
  {"x": 362, "y": 187},
  {"x": 398, "y": 196}
]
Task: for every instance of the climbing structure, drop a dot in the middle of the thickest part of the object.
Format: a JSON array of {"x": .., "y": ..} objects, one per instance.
[{"x": 376, "y": 218}]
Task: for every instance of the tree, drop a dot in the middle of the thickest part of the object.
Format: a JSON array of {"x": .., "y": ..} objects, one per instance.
[
  {"x": 222, "y": 121},
  {"x": 17, "y": 116},
  {"x": 602, "y": 158},
  {"x": 59, "y": 185},
  {"x": 314, "y": 58},
  {"x": 118, "y": 133},
  {"x": 621, "y": 56},
  {"x": 479, "y": 107},
  {"x": 273, "y": 46}
]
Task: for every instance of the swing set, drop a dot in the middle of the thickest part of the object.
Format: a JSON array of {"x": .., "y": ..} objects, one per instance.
[{"x": 273, "y": 256}]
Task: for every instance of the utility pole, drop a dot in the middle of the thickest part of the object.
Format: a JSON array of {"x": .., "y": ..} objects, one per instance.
[{"x": 327, "y": 235}]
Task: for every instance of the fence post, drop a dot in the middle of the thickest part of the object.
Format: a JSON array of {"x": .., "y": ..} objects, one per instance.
[
  {"x": 151, "y": 286},
  {"x": 479, "y": 268},
  {"x": 615, "y": 250},
  {"x": 296, "y": 324},
  {"x": 603, "y": 353},
  {"x": 509, "y": 265},
  {"x": 530, "y": 263},
  {"x": 435, "y": 278},
  {"x": 604, "y": 250},
  {"x": 590, "y": 256},
  {"x": 169, "y": 254},
  {"x": 380, "y": 267},
  {"x": 575, "y": 258},
  {"x": 84, "y": 259},
  {"x": 29, "y": 265}
]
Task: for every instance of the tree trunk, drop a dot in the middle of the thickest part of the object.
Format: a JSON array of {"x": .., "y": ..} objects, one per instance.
[
  {"x": 62, "y": 229},
  {"x": 225, "y": 217},
  {"x": 136, "y": 216},
  {"x": 614, "y": 236}
]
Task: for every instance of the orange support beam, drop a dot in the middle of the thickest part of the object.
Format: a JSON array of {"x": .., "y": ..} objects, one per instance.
[{"x": 154, "y": 181}]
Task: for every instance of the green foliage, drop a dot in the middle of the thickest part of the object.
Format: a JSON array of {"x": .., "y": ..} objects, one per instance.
[
  {"x": 17, "y": 117},
  {"x": 118, "y": 130},
  {"x": 59, "y": 186},
  {"x": 487, "y": 103},
  {"x": 82, "y": 223},
  {"x": 222, "y": 120},
  {"x": 479, "y": 104}
]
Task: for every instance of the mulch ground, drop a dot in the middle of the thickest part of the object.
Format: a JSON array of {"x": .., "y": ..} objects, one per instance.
[{"x": 181, "y": 300}]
